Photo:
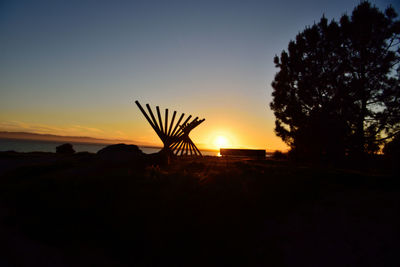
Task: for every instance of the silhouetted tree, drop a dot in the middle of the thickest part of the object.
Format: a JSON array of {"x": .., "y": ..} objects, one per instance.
[
  {"x": 392, "y": 147},
  {"x": 337, "y": 89},
  {"x": 279, "y": 155},
  {"x": 392, "y": 153}
]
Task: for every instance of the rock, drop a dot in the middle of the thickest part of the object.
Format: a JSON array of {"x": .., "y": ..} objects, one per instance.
[
  {"x": 158, "y": 159},
  {"x": 120, "y": 153},
  {"x": 65, "y": 149}
]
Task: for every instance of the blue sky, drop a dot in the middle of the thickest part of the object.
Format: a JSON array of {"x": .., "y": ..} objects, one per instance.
[{"x": 75, "y": 67}]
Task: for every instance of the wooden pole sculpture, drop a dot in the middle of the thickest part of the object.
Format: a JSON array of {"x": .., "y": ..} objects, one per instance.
[{"x": 175, "y": 138}]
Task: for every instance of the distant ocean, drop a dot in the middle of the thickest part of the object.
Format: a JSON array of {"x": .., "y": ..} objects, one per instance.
[{"x": 19, "y": 145}]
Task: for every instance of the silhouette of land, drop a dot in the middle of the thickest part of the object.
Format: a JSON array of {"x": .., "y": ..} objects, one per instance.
[
  {"x": 88, "y": 209},
  {"x": 61, "y": 138}
]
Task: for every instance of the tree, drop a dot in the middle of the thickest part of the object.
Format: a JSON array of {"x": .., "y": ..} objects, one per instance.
[
  {"x": 392, "y": 153},
  {"x": 392, "y": 148},
  {"x": 337, "y": 90}
]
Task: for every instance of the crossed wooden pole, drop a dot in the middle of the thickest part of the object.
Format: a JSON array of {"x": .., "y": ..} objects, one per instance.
[{"x": 175, "y": 136}]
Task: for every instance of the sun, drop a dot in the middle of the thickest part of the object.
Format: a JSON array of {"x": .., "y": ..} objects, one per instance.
[{"x": 221, "y": 141}]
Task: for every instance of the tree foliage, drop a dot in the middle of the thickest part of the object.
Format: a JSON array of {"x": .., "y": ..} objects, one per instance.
[{"x": 337, "y": 90}]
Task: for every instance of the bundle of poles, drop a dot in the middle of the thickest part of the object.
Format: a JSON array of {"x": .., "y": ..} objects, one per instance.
[{"x": 175, "y": 137}]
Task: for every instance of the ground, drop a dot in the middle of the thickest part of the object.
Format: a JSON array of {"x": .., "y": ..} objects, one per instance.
[{"x": 77, "y": 210}]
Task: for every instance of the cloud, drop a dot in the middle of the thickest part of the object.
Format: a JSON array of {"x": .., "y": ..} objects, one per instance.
[
  {"x": 89, "y": 129},
  {"x": 13, "y": 125},
  {"x": 68, "y": 130},
  {"x": 75, "y": 130}
]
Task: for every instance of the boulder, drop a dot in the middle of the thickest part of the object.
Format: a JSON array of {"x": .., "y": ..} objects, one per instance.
[
  {"x": 120, "y": 153},
  {"x": 160, "y": 158},
  {"x": 65, "y": 149}
]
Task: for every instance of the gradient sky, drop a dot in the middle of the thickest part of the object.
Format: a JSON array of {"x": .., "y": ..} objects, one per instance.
[{"x": 76, "y": 67}]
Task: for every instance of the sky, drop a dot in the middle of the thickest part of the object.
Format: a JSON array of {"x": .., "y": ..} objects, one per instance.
[{"x": 76, "y": 67}]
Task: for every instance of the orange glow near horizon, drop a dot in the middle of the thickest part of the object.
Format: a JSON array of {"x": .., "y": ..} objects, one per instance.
[
  {"x": 221, "y": 142},
  {"x": 209, "y": 136},
  {"x": 83, "y": 81},
  {"x": 218, "y": 139}
]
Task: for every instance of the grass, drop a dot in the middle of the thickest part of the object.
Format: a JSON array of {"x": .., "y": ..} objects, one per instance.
[{"x": 209, "y": 211}]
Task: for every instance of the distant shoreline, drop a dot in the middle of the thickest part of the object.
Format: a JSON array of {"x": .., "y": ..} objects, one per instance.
[
  {"x": 61, "y": 138},
  {"x": 25, "y": 145},
  {"x": 84, "y": 140},
  {"x": 25, "y": 136},
  {"x": 75, "y": 142}
]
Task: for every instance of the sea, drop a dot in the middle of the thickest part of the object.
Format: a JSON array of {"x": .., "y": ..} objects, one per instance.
[{"x": 19, "y": 145}]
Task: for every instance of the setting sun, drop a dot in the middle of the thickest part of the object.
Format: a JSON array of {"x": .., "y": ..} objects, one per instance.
[{"x": 221, "y": 141}]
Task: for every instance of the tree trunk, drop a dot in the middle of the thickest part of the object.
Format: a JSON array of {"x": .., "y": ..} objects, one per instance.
[{"x": 360, "y": 128}]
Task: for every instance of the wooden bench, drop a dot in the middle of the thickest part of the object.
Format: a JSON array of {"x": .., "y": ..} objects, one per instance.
[{"x": 245, "y": 153}]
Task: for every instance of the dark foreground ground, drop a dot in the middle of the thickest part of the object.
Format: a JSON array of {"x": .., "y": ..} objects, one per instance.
[{"x": 81, "y": 211}]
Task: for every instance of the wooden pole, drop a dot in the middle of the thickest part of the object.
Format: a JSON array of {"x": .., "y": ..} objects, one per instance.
[
  {"x": 159, "y": 118},
  {"x": 175, "y": 137},
  {"x": 178, "y": 149},
  {"x": 190, "y": 149},
  {"x": 154, "y": 119},
  {"x": 187, "y": 149},
  {"x": 194, "y": 152},
  {"x": 188, "y": 128},
  {"x": 148, "y": 119},
  {"x": 166, "y": 122},
  {"x": 183, "y": 149},
  {"x": 176, "y": 126},
  {"x": 183, "y": 125},
  {"x": 175, "y": 145},
  {"x": 172, "y": 123},
  {"x": 196, "y": 148}
]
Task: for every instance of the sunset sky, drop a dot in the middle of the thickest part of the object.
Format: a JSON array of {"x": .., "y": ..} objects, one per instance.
[{"x": 76, "y": 67}]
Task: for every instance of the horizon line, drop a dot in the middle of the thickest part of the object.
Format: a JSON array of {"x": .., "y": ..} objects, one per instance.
[{"x": 91, "y": 140}]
